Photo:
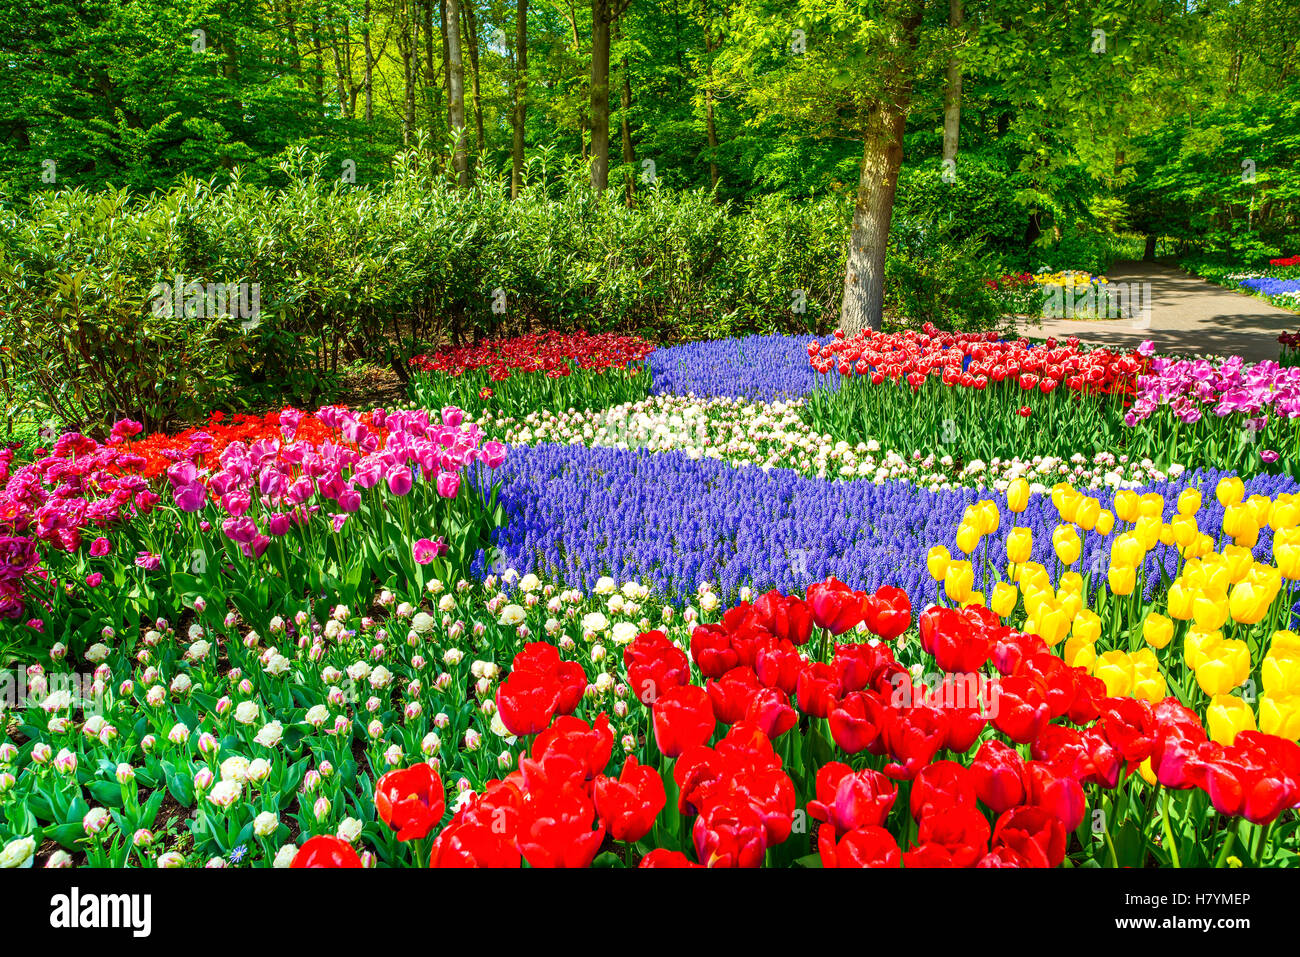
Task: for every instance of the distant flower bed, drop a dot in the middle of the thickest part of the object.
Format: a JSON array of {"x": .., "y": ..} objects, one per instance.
[{"x": 549, "y": 370}]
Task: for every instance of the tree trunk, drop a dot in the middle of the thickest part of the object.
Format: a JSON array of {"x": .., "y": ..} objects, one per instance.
[
  {"x": 471, "y": 40},
  {"x": 600, "y": 20},
  {"x": 368, "y": 83},
  {"x": 625, "y": 128},
  {"x": 710, "y": 128},
  {"x": 864, "y": 274},
  {"x": 1149, "y": 253},
  {"x": 952, "y": 89},
  {"x": 520, "y": 98},
  {"x": 456, "y": 93}
]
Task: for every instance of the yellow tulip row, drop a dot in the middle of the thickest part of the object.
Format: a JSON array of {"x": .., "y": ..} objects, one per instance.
[{"x": 1212, "y": 588}]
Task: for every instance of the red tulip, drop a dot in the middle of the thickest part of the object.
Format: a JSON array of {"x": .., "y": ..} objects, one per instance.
[
  {"x": 863, "y": 847},
  {"x": 787, "y": 617},
  {"x": 662, "y": 857},
  {"x": 778, "y": 664},
  {"x": 913, "y": 737},
  {"x": 856, "y": 721},
  {"x": 466, "y": 843},
  {"x": 527, "y": 701},
  {"x": 960, "y": 829},
  {"x": 629, "y": 804},
  {"x": 410, "y": 801},
  {"x": 683, "y": 718},
  {"x": 770, "y": 710},
  {"x": 1034, "y": 833},
  {"x": 848, "y": 800},
  {"x": 730, "y": 835},
  {"x": 998, "y": 773},
  {"x": 556, "y": 827},
  {"x": 574, "y": 749},
  {"x": 325, "y": 850},
  {"x": 835, "y": 606},
  {"x": 942, "y": 785},
  {"x": 817, "y": 690},
  {"x": 887, "y": 613},
  {"x": 654, "y": 664},
  {"x": 712, "y": 651},
  {"x": 1019, "y": 707},
  {"x": 732, "y": 693},
  {"x": 1056, "y": 792}
]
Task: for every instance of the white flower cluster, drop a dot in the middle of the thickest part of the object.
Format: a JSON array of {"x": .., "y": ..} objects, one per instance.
[{"x": 773, "y": 435}]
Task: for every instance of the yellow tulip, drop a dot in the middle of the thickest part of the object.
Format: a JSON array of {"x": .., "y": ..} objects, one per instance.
[
  {"x": 1071, "y": 602},
  {"x": 1018, "y": 495},
  {"x": 1280, "y": 675},
  {"x": 1181, "y": 598},
  {"x": 1238, "y": 561},
  {"x": 1127, "y": 550},
  {"x": 1189, "y": 501},
  {"x": 1122, "y": 579},
  {"x": 1116, "y": 672},
  {"x": 974, "y": 598},
  {"x": 1071, "y": 582},
  {"x": 1105, "y": 521},
  {"x": 1020, "y": 544},
  {"x": 1166, "y": 534},
  {"x": 1151, "y": 505},
  {"x": 1086, "y": 626},
  {"x": 990, "y": 517},
  {"x": 1184, "y": 529},
  {"x": 1003, "y": 599},
  {"x": 1210, "y": 610},
  {"x": 968, "y": 538},
  {"x": 1126, "y": 505},
  {"x": 1248, "y": 537},
  {"x": 1236, "y": 519},
  {"x": 959, "y": 581},
  {"x": 1149, "y": 686},
  {"x": 937, "y": 562},
  {"x": 1059, "y": 492},
  {"x": 1199, "y": 646},
  {"x": 1052, "y": 624},
  {"x": 1280, "y": 716},
  {"x": 1260, "y": 506},
  {"x": 1288, "y": 560},
  {"x": 1248, "y": 603},
  {"x": 1086, "y": 513},
  {"x": 1229, "y": 491},
  {"x": 1284, "y": 513},
  {"x": 1284, "y": 644},
  {"x": 1226, "y": 717},
  {"x": 1079, "y": 653},
  {"x": 1065, "y": 540},
  {"x": 1157, "y": 630},
  {"x": 1215, "y": 676},
  {"x": 1147, "y": 530}
]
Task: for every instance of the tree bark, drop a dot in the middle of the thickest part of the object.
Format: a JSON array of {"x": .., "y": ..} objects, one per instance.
[
  {"x": 471, "y": 40},
  {"x": 456, "y": 93},
  {"x": 864, "y": 275},
  {"x": 625, "y": 128},
  {"x": 600, "y": 21},
  {"x": 520, "y": 99},
  {"x": 368, "y": 82},
  {"x": 710, "y": 128},
  {"x": 952, "y": 89}
]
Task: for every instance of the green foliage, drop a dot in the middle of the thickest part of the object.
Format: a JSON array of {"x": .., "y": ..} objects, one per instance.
[{"x": 933, "y": 276}]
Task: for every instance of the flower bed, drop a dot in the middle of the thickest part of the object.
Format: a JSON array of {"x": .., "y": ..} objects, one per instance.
[
  {"x": 576, "y": 514},
  {"x": 265, "y": 511},
  {"x": 756, "y": 368},
  {"x": 774, "y": 435},
  {"x": 533, "y": 372}
]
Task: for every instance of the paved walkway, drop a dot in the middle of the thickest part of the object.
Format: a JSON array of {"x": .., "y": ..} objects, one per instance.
[{"x": 1188, "y": 315}]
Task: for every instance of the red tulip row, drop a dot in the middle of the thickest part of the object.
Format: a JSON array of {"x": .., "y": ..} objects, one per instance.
[{"x": 994, "y": 765}]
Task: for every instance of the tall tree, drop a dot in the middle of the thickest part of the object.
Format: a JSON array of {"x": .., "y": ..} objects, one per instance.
[
  {"x": 603, "y": 14},
  {"x": 519, "y": 112},
  {"x": 864, "y": 274},
  {"x": 952, "y": 87},
  {"x": 456, "y": 93}
]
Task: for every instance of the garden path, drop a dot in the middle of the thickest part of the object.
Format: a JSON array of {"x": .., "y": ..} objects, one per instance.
[{"x": 1188, "y": 315}]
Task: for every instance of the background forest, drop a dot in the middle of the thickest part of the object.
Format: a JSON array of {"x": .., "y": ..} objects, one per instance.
[{"x": 396, "y": 174}]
